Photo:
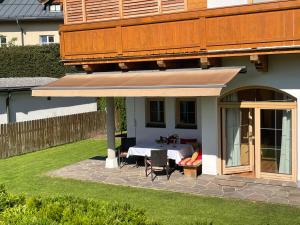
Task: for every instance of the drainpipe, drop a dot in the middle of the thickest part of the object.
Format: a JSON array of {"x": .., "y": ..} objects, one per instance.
[
  {"x": 22, "y": 31},
  {"x": 8, "y": 107}
]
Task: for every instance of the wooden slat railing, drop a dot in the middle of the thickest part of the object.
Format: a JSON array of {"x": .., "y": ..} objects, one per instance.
[
  {"x": 79, "y": 11},
  {"x": 23, "y": 137}
]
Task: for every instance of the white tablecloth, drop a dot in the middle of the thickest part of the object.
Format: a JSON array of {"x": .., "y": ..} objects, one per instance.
[{"x": 176, "y": 152}]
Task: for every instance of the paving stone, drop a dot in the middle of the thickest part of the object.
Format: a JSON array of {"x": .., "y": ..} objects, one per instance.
[
  {"x": 279, "y": 200},
  {"x": 234, "y": 195},
  {"x": 281, "y": 194},
  {"x": 261, "y": 181},
  {"x": 228, "y": 189},
  {"x": 289, "y": 184},
  {"x": 231, "y": 183},
  {"x": 257, "y": 197},
  {"x": 94, "y": 170},
  {"x": 275, "y": 182}
]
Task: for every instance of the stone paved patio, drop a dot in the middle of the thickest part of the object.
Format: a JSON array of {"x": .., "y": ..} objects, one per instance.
[{"x": 221, "y": 186}]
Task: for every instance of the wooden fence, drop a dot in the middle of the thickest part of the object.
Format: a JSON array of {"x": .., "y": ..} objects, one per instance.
[{"x": 23, "y": 137}]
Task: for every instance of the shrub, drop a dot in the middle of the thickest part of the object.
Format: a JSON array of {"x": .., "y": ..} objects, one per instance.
[
  {"x": 120, "y": 106},
  {"x": 68, "y": 211},
  {"x": 32, "y": 61},
  {"x": 8, "y": 200}
]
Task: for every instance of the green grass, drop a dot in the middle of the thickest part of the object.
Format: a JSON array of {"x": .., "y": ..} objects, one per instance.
[{"x": 26, "y": 174}]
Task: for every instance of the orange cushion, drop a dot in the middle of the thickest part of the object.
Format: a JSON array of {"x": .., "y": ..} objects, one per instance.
[
  {"x": 194, "y": 156},
  {"x": 184, "y": 161},
  {"x": 197, "y": 163}
]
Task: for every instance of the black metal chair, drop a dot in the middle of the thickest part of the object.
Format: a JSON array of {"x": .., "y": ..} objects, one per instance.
[
  {"x": 126, "y": 143},
  {"x": 157, "y": 162}
]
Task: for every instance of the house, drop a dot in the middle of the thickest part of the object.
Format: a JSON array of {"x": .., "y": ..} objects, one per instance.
[
  {"x": 28, "y": 22},
  {"x": 18, "y": 105},
  {"x": 224, "y": 72}
]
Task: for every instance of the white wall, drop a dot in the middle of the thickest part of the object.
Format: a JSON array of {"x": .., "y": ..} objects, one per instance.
[
  {"x": 210, "y": 143},
  {"x": 136, "y": 115},
  {"x": 24, "y": 107},
  {"x": 224, "y": 3}
]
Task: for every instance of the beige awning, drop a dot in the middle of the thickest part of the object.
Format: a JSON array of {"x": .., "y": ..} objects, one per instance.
[{"x": 170, "y": 83}]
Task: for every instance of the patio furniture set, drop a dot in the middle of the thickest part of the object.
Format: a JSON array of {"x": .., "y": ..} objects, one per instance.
[{"x": 163, "y": 156}]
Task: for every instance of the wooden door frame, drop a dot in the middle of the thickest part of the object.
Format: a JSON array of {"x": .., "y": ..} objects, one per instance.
[
  {"x": 238, "y": 169},
  {"x": 258, "y": 106}
]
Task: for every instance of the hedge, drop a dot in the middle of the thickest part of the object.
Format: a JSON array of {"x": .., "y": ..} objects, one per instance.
[
  {"x": 120, "y": 106},
  {"x": 32, "y": 61},
  {"x": 19, "y": 210}
]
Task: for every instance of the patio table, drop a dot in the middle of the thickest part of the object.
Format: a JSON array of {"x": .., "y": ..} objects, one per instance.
[{"x": 175, "y": 151}]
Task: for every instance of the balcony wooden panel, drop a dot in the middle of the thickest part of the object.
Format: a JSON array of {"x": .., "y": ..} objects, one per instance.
[
  {"x": 162, "y": 37},
  {"x": 186, "y": 34},
  {"x": 296, "y": 24},
  {"x": 240, "y": 30},
  {"x": 90, "y": 42}
]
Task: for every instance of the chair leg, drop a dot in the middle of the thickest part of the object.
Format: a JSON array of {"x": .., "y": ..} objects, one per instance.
[
  {"x": 168, "y": 172},
  {"x": 146, "y": 170},
  {"x": 136, "y": 162},
  {"x": 152, "y": 178}
]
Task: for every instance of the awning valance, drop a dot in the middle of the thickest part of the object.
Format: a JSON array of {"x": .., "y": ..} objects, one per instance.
[{"x": 170, "y": 83}]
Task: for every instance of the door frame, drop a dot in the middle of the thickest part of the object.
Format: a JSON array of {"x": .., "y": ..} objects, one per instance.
[
  {"x": 258, "y": 106},
  {"x": 237, "y": 169}
]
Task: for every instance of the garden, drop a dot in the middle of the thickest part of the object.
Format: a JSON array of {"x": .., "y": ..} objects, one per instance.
[{"x": 30, "y": 196}]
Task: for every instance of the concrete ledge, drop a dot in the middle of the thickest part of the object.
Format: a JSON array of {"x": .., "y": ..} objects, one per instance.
[{"x": 111, "y": 163}]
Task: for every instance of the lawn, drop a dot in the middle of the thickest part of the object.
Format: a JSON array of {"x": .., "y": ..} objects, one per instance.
[{"x": 25, "y": 174}]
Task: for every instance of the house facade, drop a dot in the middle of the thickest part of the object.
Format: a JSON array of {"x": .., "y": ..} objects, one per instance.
[
  {"x": 29, "y": 22},
  {"x": 18, "y": 105},
  {"x": 223, "y": 72}
]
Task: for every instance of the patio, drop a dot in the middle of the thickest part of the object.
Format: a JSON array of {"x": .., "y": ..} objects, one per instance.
[{"x": 219, "y": 186}]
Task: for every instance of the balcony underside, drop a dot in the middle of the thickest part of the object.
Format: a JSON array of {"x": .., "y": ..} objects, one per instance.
[{"x": 269, "y": 28}]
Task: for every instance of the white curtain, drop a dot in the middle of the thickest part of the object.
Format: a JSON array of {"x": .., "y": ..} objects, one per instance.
[
  {"x": 285, "y": 153},
  {"x": 233, "y": 134},
  {"x": 233, "y": 140}
]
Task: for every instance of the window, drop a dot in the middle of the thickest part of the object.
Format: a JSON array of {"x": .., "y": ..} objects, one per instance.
[
  {"x": 257, "y": 95},
  {"x": 3, "y": 41},
  {"x": 46, "y": 39},
  {"x": 186, "y": 114},
  {"x": 55, "y": 8},
  {"x": 155, "y": 112}
]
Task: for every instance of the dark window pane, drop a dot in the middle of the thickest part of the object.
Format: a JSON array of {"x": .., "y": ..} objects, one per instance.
[
  {"x": 2, "y": 41},
  {"x": 51, "y": 39},
  {"x": 187, "y": 112},
  {"x": 268, "y": 139},
  {"x": 267, "y": 119},
  {"x": 157, "y": 111}
]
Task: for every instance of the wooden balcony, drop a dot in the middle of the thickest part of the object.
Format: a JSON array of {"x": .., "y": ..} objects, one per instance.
[{"x": 266, "y": 28}]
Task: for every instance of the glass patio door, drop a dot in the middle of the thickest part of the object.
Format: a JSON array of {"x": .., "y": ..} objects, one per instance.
[
  {"x": 238, "y": 140},
  {"x": 276, "y": 141}
]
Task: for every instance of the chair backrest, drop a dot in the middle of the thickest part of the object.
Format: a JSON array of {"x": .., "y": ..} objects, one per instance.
[
  {"x": 126, "y": 143},
  {"x": 159, "y": 158}
]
